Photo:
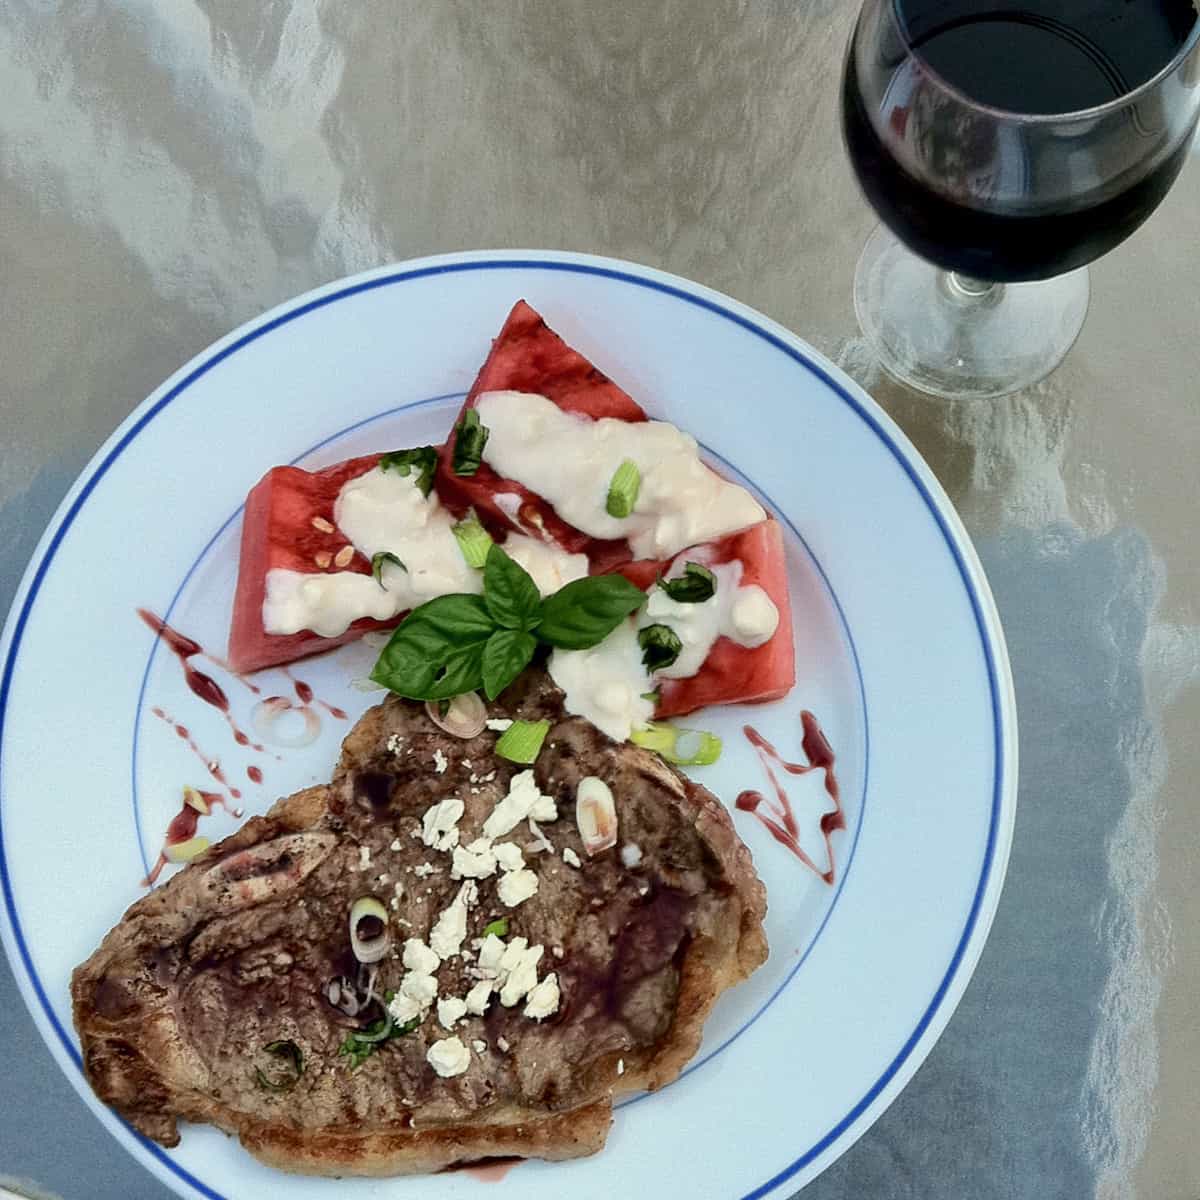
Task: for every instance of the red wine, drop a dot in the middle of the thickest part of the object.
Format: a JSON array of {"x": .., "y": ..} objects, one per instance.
[{"x": 996, "y": 197}]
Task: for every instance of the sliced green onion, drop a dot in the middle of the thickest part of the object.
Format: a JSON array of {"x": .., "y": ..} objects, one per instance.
[
  {"x": 694, "y": 586},
  {"x": 522, "y": 741},
  {"x": 289, "y": 1053},
  {"x": 473, "y": 540},
  {"x": 499, "y": 928},
  {"x": 362, "y": 1043},
  {"x": 683, "y": 747},
  {"x": 378, "y": 561},
  {"x": 183, "y": 852},
  {"x": 654, "y": 697},
  {"x": 369, "y": 949},
  {"x": 623, "y": 490},
  {"x": 469, "y": 444},
  {"x": 660, "y": 647}
]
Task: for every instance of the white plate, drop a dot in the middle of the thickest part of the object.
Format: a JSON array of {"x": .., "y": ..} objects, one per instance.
[{"x": 899, "y": 654}]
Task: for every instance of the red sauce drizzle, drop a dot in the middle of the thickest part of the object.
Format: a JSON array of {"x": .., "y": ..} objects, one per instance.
[
  {"x": 305, "y": 693},
  {"x": 491, "y": 1170},
  {"x": 254, "y": 774},
  {"x": 779, "y": 819},
  {"x": 182, "y": 828},
  {"x": 204, "y": 686},
  {"x": 211, "y": 765}
]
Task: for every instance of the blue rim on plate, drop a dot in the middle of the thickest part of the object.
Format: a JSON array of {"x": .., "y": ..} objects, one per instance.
[{"x": 1000, "y": 712}]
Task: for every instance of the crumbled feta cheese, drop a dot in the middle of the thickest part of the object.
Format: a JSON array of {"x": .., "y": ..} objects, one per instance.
[
  {"x": 491, "y": 953},
  {"x": 424, "y": 870},
  {"x": 479, "y": 996},
  {"x": 439, "y": 827},
  {"x": 540, "y": 842},
  {"x": 450, "y": 1011},
  {"x": 512, "y": 954},
  {"x": 476, "y": 861},
  {"x": 395, "y": 844},
  {"x": 446, "y": 937},
  {"x": 395, "y": 743},
  {"x": 403, "y": 1009},
  {"x": 419, "y": 987},
  {"x": 502, "y": 1045},
  {"x": 571, "y": 858},
  {"x": 522, "y": 978},
  {"x": 523, "y": 797},
  {"x": 544, "y": 809},
  {"x": 440, "y": 763},
  {"x": 557, "y": 951},
  {"x": 499, "y": 724},
  {"x": 364, "y": 857},
  {"x": 542, "y": 1000},
  {"x": 508, "y": 856},
  {"x": 631, "y": 854},
  {"x": 516, "y": 887},
  {"x": 620, "y": 1066},
  {"x": 418, "y": 957},
  {"x": 448, "y": 1057},
  {"x": 479, "y": 1046}
]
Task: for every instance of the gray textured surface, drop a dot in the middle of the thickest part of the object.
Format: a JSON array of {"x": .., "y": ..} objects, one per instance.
[{"x": 169, "y": 169}]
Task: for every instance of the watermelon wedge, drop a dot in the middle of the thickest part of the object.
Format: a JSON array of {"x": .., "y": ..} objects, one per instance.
[
  {"x": 278, "y": 531},
  {"x": 528, "y": 356},
  {"x": 733, "y": 674}
]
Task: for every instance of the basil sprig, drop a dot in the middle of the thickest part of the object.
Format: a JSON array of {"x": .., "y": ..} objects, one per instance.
[
  {"x": 461, "y": 643},
  {"x": 377, "y": 565},
  {"x": 422, "y": 459}
]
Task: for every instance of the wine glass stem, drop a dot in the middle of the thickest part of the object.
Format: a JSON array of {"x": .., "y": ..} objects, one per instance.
[{"x": 966, "y": 290}]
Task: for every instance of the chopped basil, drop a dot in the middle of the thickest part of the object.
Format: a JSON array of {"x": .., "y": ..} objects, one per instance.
[
  {"x": 660, "y": 647},
  {"x": 362, "y": 1043},
  {"x": 378, "y": 561},
  {"x": 507, "y": 653},
  {"x": 683, "y": 747},
  {"x": 522, "y": 741},
  {"x": 473, "y": 540},
  {"x": 472, "y": 436},
  {"x": 623, "y": 490},
  {"x": 291, "y": 1063},
  {"x": 694, "y": 586},
  {"x": 422, "y": 459},
  {"x": 509, "y": 592},
  {"x": 499, "y": 928}
]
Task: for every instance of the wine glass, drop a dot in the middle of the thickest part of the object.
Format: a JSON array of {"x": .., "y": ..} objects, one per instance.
[{"x": 1006, "y": 144}]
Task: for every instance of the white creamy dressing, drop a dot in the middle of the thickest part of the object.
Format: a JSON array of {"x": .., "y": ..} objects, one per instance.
[
  {"x": 386, "y": 511},
  {"x": 607, "y": 684},
  {"x": 569, "y": 461}
]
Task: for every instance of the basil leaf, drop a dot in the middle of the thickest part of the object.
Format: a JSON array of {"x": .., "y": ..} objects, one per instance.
[
  {"x": 422, "y": 459},
  {"x": 436, "y": 652},
  {"x": 660, "y": 647},
  {"x": 471, "y": 438},
  {"x": 377, "y": 562},
  {"x": 505, "y": 656},
  {"x": 511, "y": 595},
  {"x": 585, "y": 611},
  {"x": 694, "y": 586}
]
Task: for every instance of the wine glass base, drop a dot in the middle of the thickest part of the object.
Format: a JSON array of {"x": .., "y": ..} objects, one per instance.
[{"x": 961, "y": 338}]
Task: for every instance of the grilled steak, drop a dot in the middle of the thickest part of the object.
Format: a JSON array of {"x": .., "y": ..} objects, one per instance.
[{"x": 231, "y": 994}]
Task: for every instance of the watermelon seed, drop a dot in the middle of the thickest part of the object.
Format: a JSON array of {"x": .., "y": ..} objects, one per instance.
[
  {"x": 323, "y": 559},
  {"x": 343, "y": 556},
  {"x": 323, "y": 525}
]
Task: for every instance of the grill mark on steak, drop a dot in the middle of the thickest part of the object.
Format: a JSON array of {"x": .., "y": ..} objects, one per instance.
[{"x": 236, "y": 950}]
